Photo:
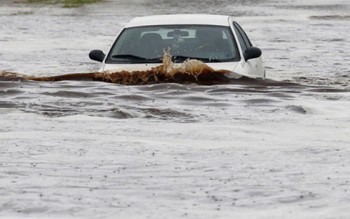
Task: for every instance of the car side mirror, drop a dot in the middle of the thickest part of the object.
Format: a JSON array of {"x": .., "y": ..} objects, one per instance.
[
  {"x": 97, "y": 55},
  {"x": 252, "y": 53}
]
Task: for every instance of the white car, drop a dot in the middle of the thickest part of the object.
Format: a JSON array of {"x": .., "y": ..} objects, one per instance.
[{"x": 216, "y": 40}]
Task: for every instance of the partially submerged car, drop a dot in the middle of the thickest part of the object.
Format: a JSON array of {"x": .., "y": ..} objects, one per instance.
[{"x": 216, "y": 40}]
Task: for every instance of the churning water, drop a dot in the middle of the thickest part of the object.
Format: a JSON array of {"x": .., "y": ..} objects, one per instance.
[{"x": 250, "y": 149}]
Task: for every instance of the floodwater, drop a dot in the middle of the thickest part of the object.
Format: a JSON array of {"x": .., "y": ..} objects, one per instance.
[{"x": 83, "y": 149}]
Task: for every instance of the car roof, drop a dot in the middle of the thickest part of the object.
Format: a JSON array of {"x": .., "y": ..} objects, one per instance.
[{"x": 195, "y": 19}]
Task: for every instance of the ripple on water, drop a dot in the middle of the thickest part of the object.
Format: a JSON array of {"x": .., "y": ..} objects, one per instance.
[
  {"x": 69, "y": 94},
  {"x": 260, "y": 101},
  {"x": 132, "y": 97},
  {"x": 296, "y": 109},
  {"x": 7, "y": 104},
  {"x": 116, "y": 113},
  {"x": 198, "y": 99},
  {"x": 281, "y": 95},
  {"x": 162, "y": 87},
  {"x": 330, "y": 17},
  {"x": 167, "y": 114},
  {"x": 10, "y": 92}
]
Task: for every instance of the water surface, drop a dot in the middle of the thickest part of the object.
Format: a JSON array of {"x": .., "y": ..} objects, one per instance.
[{"x": 83, "y": 149}]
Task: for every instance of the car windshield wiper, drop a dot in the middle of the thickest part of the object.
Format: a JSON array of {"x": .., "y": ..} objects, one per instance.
[
  {"x": 178, "y": 59},
  {"x": 137, "y": 59}
]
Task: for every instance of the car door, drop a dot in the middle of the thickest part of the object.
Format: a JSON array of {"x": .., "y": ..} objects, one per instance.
[{"x": 251, "y": 67}]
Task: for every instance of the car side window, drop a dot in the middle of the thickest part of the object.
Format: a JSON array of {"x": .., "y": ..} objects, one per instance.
[
  {"x": 240, "y": 39},
  {"x": 242, "y": 36}
]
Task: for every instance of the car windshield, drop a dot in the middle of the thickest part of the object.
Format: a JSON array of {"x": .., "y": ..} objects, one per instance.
[{"x": 147, "y": 44}]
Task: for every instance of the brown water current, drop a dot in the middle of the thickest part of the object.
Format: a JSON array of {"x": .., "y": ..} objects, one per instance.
[{"x": 190, "y": 71}]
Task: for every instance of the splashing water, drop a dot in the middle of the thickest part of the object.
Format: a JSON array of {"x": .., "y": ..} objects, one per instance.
[{"x": 190, "y": 71}]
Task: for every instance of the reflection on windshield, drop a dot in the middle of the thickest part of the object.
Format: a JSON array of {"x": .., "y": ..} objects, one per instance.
[{"x": 147, "y": 44}]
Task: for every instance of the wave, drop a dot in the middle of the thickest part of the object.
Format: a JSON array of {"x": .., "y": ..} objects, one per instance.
[{"x": 190, "y": 71}]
